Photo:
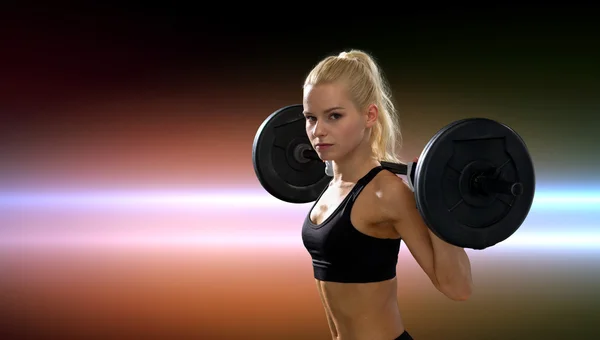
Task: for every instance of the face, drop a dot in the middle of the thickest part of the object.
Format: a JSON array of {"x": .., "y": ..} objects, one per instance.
[{"x": 334, "y": 125}]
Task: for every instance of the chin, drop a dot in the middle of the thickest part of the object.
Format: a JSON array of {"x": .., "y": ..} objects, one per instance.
[{"x": 325, "y": 157}]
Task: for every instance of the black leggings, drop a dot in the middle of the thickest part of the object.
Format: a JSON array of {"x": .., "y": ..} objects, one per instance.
[{"x": 404, "y": 336}]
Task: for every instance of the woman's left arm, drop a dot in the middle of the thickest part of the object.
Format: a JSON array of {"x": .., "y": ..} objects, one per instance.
[
  {"x": 448, "y": 266},
  {"x": 452, "y": 265}
]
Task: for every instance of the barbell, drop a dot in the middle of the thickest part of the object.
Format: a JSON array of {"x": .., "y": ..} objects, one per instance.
[{"x": 474, "y": 182}]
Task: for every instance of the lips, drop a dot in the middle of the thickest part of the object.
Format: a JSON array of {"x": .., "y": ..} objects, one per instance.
[{"x": 322, "y": 146}]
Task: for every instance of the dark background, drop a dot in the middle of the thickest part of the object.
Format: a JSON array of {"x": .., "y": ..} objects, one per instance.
[{"x": 129, "y": 103}]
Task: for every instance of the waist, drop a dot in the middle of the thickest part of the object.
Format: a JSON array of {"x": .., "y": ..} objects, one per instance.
[
  {"x": 357, "y": 300},
  {"x": 364, "y": 310}
]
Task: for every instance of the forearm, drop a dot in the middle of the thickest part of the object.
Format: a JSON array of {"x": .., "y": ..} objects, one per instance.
[{"x": 452, "y": 268}]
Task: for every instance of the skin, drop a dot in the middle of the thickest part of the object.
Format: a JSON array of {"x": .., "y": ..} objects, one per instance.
[{"x": 385, "y": 208}]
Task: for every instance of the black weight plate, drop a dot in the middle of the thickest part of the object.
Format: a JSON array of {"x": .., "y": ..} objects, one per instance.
[
  {"x": 453, "y": 210},
  {"x": 275, "y": 158}
]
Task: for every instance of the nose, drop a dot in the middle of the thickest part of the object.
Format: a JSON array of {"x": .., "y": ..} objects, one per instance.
[{"x": 319, "y": 130}]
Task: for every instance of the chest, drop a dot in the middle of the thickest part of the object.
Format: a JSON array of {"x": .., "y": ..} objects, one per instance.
[
  {"x": 329, "y": 203},
  {"x": 337, "y": 205},
  {"x": 344, "y": 235}
]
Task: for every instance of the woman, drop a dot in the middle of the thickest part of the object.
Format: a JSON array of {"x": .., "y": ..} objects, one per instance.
[{"x": 354, "y": 229}]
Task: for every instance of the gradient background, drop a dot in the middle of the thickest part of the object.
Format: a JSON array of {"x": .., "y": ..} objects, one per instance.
[{"x": 129, "y": 206}]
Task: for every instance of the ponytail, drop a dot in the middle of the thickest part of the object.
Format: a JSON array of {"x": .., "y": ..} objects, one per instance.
[{"x": 366, "y": 86}]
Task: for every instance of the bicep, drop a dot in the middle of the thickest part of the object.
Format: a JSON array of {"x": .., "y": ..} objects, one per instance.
[{"x": 413, "y": 231}]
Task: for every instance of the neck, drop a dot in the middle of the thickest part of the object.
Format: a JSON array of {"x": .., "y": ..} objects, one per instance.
[{"x": 354, "y": 166}]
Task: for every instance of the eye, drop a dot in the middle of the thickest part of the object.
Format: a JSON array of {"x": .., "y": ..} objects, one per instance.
[
  {"x": 310, "y": 118},
  {"x": 335, "y": 116}
]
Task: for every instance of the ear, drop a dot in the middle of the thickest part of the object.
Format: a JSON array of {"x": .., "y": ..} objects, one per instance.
[{"x": 372, "y": 115}]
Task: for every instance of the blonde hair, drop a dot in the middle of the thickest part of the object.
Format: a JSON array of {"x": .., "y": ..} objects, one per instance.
[{"x": 366, "y": 85}]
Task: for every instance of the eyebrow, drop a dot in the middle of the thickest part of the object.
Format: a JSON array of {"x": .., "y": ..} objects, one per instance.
[{"x": 326, "y": 111}]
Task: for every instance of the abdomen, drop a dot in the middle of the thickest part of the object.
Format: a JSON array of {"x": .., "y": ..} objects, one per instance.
[{"x": 362, "y": 310}]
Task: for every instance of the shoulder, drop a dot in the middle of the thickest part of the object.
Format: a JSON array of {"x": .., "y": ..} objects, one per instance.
[{"x": 391, "y": 195}]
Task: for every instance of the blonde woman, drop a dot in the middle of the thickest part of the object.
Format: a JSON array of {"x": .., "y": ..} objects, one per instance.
[{"x": 354, "y": 229}]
